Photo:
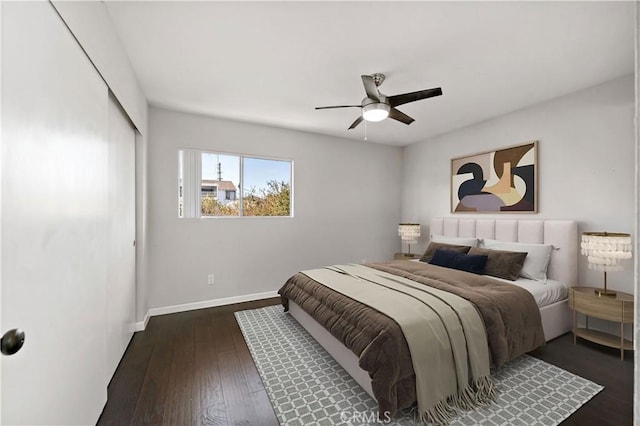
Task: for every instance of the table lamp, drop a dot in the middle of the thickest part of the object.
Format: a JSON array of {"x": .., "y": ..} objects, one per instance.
[
  {"x": 605, "y": 251},
  {"x": 409, "y": 233}
]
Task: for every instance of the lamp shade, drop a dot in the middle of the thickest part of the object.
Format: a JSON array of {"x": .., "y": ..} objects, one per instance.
[
  {"x": 376, "y": 111},
  {"x": 409, "y": 232},
  {"x": 606, "y": 250}
]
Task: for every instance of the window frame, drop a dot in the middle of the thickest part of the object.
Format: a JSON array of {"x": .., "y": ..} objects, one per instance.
[{"x": 240, "y": 192}]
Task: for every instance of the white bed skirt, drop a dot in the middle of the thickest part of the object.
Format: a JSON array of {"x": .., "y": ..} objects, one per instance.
[{"x": 556, "y": 321}]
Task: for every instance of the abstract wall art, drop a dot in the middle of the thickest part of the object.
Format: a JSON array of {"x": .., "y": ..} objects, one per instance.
[{"x": 504, "y": 180}]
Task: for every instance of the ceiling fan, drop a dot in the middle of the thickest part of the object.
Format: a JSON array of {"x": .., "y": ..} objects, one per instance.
[{"x": 377, "y": 107}]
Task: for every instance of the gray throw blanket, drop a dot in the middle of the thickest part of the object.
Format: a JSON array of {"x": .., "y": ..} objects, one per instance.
[{"x": 444, "y": 332}]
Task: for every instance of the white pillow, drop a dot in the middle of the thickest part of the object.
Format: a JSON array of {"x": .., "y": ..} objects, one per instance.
[
  {"x": 536, "y": 262},
  {"x": 472, "y": 242}
]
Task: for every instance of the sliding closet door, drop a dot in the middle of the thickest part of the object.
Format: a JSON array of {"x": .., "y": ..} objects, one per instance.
[
  {"x": 121, "y": 290},
  {"x": 54, "y": 221}
]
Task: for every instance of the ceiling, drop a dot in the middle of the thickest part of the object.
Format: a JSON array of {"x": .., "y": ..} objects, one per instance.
[{"x": 273, "y": 62}]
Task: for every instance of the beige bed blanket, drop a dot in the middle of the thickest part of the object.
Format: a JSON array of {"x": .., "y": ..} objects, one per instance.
[{"x": 444, "y": 333}]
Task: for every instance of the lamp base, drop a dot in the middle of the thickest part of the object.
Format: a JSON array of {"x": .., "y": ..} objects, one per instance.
[
  {"x": 406, "y": 256},
  {"x": 600, "y": 292}
]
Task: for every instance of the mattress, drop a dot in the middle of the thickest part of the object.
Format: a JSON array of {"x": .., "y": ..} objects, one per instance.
[{"x": 545, "y": 293}]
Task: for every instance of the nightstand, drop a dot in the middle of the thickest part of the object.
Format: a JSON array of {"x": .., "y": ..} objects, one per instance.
[
  {"x": 405, "y": 256},
  {"x": 618, "y": 309}
]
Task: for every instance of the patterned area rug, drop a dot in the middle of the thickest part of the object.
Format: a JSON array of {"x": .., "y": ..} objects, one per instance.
[{"x": 307, "y": 386}]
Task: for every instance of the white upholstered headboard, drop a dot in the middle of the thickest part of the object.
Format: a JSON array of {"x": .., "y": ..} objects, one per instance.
[{"x": 562, "y": 234}]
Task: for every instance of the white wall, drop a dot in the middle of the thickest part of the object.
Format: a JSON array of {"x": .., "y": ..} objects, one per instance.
[
  {"x": 586, "y": 165},
  {"x": 343, "y": 210}
]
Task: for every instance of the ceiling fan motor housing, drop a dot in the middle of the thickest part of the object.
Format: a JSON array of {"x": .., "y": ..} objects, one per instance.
[{"x": 369, "y": 101}]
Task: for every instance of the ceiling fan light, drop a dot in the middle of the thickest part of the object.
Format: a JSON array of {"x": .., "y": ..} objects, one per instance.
[{"x": 376, "y": 111}]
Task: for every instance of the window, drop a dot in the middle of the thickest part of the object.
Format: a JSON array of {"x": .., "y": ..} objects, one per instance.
[{"x": 214, "y": 184}]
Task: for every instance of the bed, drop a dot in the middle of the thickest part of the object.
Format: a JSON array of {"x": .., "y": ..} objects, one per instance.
[{"x": 554, "y": 314}]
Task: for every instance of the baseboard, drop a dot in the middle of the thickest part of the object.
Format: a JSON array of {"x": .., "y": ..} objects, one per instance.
[{"x": 140, "y": 326}]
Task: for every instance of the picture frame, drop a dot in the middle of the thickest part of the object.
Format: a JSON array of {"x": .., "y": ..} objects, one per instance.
[{"x": 504, "y": 180}]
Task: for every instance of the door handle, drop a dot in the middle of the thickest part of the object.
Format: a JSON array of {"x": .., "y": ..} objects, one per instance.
[{"x": 12, "y": 341}]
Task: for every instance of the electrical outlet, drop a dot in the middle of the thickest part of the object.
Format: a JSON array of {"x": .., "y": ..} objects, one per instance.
[{"x": 211, "y": 279}]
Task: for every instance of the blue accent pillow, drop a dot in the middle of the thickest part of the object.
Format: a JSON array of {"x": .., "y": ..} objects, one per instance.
[{"x": 473, "y": 263}]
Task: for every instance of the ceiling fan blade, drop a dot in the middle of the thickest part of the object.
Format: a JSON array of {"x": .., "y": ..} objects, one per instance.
[
  {"x": 355, "y": 123},
  {"x": 370, "y": 87},
  {"x": 400, "y": 116},
  {"x": 405, "y": 98},
  {"x": 340, "y": 106}
]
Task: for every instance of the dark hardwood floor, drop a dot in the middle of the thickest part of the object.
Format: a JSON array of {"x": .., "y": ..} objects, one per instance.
[
  {"x": 602, "y": 365},
  {"x": 194, "y": 368}
]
